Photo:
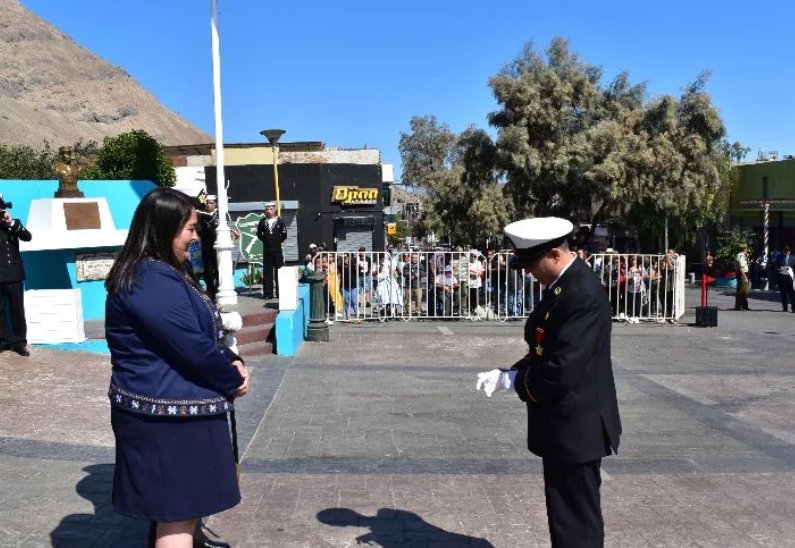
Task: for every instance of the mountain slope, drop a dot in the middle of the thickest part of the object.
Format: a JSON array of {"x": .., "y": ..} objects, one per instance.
[{"x": 51, "y": 88}]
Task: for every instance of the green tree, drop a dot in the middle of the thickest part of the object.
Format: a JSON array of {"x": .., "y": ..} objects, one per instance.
[
  {"x": 24, "y": 162},
  {"x": 133, "y": 155},
  {"x": 570, "y": 143},
  {"x": 729, "y": 246},
  {"x": 463, "y": 200}
]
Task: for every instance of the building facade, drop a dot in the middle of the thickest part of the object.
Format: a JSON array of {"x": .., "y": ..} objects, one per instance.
[
  {"x": 766, "y": 181},
  {"x": 329, "y": 197}
]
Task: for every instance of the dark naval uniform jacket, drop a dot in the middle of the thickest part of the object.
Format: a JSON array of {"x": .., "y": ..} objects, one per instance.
[
  {"x": 566, "y": 379},
  {"x": 166, "y": 353},
  {"x": 272, "y": 238},
  {"x": 11, "y": 267}
]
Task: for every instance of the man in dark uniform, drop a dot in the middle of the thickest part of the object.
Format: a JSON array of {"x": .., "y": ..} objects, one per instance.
[
  {"x": 566, "y": 380},
  {"x": 209, "y": 226},
  {"x": 785, "y": 276},
  {"x": 272, "y": 231},
  {"x": 12, "y": 274}
]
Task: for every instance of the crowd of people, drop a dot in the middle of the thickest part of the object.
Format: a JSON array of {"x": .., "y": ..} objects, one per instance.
[
  {"x": 411, "y": 283},
  {"x": 469, "y": 283},
  {"x": 637, "y": 285},
  {"x": 773, "y": 272}
]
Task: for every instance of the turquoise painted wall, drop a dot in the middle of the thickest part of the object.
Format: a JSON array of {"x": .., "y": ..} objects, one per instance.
[
  {"x": 57, "y": 269},
  {"x": 123, "y": 196},
  {"x": 291, "y": 325}
]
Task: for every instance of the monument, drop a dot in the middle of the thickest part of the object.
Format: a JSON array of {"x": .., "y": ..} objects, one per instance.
[{"x": 75, "y": 244}]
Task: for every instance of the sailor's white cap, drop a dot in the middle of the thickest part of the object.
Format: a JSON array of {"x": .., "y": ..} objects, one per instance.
[
  {"x": 531, "y": 238},
  {"x": 269, "y": 204},
  {"x": 211, "y": 198}
]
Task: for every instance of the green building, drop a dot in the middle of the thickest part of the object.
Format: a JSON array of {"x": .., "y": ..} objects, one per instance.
[{"x": 766, "y": 181}]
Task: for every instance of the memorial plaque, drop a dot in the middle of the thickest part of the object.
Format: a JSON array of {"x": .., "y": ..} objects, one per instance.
[
  {"x": 95, "y": 266},
  {"x": 82, "y": 215}
]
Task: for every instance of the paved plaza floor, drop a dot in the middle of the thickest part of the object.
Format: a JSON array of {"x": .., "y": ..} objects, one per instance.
[{"x": 379, "y": 437}]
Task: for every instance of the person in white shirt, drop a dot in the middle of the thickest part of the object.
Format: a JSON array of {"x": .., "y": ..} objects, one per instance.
[
  {"x": 474, "y": 274},
  {"x": 448, "y": 294}
]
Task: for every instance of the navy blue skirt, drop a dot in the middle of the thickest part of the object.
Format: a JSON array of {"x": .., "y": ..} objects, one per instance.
[{"x": 172, "y": 469}]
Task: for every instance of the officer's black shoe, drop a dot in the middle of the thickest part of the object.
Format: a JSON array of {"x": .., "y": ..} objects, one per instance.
[
  {"x": 21, "y": 349},
  {"x": 201, "y": 540}
]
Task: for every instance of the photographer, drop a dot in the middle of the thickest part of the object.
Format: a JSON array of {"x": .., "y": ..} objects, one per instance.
[{"x": 12, "y": 274}]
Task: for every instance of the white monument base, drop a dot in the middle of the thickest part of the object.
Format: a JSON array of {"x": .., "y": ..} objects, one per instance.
[
  {"x": 89, "y": 225},
  {"x": 54, "y": 316}
]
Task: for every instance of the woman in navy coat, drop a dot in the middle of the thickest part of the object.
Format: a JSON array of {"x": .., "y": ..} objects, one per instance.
[{"x": 172, "y": 381}]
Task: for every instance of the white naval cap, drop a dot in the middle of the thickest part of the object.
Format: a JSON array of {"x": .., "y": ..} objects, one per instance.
[
  {"x": 531, "y": 238},
  {"x": 211, "y": 197},
  {"x": 269, "y": 204}
]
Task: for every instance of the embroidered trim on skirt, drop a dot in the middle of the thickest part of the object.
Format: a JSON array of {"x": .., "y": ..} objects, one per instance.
[{"x": 165, "y": 407}]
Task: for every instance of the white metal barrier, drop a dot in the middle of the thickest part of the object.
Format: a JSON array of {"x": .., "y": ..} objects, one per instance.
[
  {"x": 642, "y": 287},
  {"x": 435, "y": 285}
]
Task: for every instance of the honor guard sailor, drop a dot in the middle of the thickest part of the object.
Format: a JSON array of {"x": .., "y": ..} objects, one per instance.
[
  {"x": 566, "y": 380},
  {"x": 272, "y": 231}
]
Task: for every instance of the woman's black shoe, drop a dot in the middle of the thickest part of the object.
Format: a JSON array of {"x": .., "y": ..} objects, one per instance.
[{"x": 201, "y": 540}]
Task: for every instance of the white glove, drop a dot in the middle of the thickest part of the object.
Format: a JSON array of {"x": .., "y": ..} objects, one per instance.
[{"x": 495, "y": 380}]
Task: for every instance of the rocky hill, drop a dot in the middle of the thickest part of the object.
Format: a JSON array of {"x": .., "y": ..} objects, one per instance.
[{"x": 51, "y": 88}]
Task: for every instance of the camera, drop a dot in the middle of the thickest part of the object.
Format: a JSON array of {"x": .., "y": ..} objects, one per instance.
[{"x": 3, "y": 207}]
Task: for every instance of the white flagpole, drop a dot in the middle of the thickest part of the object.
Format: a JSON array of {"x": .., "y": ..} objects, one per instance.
[{"x": 226, "y": 291}]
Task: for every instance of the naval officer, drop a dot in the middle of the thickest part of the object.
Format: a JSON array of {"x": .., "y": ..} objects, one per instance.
[
  {"x": 566, "y": 380},
  {"x": 12, "y": 276}
]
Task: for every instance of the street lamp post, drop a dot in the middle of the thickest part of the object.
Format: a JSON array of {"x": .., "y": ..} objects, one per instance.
[
  {"x": 226, "y": 295},
  {"x": 273, "y": 136}
]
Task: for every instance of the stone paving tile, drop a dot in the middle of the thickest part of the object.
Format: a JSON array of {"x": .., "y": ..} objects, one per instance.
[{"x": 379, "y": 436}]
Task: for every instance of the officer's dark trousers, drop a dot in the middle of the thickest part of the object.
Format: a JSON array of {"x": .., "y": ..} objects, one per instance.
[
  {"x": 210, "y": 260},
  {"x": 12, "y": 298},
  {"x": 574, "y": 509},
  {"x": 271, "y": 263},
  {"x": 787, "y": 292}
]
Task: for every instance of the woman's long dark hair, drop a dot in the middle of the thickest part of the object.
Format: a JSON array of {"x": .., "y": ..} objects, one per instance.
[{"x": 157, "y": 220}]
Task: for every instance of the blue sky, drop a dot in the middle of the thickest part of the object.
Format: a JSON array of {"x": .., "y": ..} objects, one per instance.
[{"x": 353, "y": 73}]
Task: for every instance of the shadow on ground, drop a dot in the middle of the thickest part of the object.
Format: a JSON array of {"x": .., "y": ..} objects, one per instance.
[
  {"x": 103, "y": 527},
  {"x": 397, "y": 529}
]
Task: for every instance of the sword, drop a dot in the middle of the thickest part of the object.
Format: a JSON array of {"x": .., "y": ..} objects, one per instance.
[{"x": 235, "y": 450}]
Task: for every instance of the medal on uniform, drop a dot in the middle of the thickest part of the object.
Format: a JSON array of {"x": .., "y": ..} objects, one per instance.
[
  {"x": 557, "y": 291},
  {"x": 539, "y": 340}
]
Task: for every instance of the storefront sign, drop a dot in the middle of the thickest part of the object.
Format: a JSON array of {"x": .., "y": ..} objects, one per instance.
[
  {"x": 95, "y": 266},
  {"x": 353, "y": 195}
]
